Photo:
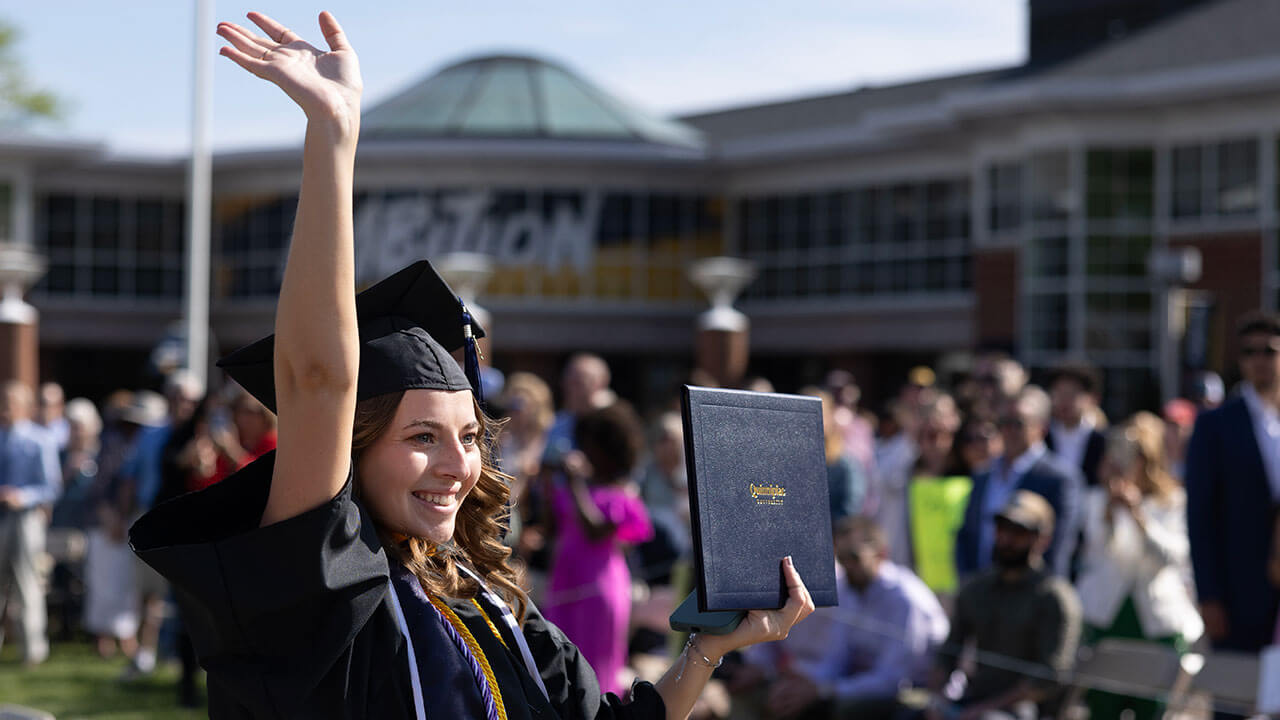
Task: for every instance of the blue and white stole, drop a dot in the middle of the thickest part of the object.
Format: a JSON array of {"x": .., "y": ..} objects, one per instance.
[{"x": 427, "y": 632}]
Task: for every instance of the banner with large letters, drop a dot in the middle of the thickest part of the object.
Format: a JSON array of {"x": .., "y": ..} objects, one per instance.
[{"x": 563, "y": 243}]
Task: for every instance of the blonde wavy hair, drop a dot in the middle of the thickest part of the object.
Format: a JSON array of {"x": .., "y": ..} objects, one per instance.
[
  {"x": 480, "y": 524},
  {"x": 832, "y": 440},
  {"x": 542, "y": 407},
  {"x": 1140, "y": 440}
]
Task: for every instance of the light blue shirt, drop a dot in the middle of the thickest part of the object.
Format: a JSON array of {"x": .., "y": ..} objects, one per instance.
[
  {"x": 29, "y": 462},
  {"x": 886, "y": 636},
  {"x": 60, "y": 431},
  {"x": 1000, "y": 486},
  {"x": 143, "y": 465},
  {"x": 560, "y": 437},
  {"x": 1266, "y": 431}
]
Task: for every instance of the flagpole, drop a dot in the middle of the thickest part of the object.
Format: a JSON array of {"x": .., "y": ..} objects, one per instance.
[{"x": 199, "y": 182}]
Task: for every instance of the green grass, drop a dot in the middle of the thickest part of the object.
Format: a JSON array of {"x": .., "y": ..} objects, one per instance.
[{"x": 75, "y": 683}]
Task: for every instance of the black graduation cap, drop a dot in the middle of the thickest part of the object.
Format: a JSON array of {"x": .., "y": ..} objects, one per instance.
[{"x": 409, "y": 323}]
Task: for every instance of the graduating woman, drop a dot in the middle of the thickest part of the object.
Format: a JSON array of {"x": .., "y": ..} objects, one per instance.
[{"x": 357, "y": 571}]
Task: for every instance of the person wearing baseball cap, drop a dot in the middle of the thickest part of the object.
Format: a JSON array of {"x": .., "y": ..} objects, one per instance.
[
  {"x": 1029, "y": 513},
  {"x": 1017, "y": 598}
]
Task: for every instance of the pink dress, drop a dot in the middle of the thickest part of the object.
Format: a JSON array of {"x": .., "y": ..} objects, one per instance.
[{"x": 589, "y": 592}]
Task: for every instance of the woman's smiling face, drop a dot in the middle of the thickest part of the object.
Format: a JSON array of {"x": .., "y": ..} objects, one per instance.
[{"x": 414, "y": 477}]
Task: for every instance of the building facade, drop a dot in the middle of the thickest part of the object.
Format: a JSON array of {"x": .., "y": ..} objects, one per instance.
[{"x": 1015, "y": 208}]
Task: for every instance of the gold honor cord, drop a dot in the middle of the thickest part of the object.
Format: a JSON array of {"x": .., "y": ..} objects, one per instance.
[
  {"x": 474, "y": 647},
  {"x": 489, "y": 622}
]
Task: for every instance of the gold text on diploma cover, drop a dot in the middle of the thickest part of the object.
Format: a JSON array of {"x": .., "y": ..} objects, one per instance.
[{"x": 768, "y": 494}]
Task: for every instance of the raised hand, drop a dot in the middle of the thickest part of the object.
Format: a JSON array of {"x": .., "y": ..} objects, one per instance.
[{"x": 326, "y": 85}]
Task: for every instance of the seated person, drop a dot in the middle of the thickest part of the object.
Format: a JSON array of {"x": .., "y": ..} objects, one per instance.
[
  {"x": 1016, "y": 612},
  {"x": 750, "y": 680},
  {"x": 882, "y": 634}
]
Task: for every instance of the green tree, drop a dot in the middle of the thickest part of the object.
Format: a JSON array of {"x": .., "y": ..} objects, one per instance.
[{"x": 19, "y": 102}]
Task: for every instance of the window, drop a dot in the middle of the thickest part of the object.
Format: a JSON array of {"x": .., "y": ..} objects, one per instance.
[
  {"x": 772, "y": 224},
  {"x": 751, "y": 226},
  {"x": 1086, "y": 290},
  {"x": 801, "y": 228},
  {"x": 616, "y": 221},
  {"x": 253, "y": 235},
  {"x": 1236, "y": 190},
  {"x": 872, "y": 213},
  {"x": 1049, "y": 257},
  {"x": 106, "y": 224},
  {"x": 1120, "y": 184},
  {"x": 1118, "y": 305},
  {"x": 946, "y": 212},
  {"x": 1125, "y": 389},
  {"x": 1120, "y": 257},
  {"x": 1117, "y": 321},
  {"x": 570, "y": 108},
  {"x": 838, "y": 211},
  {"x": 1048, "y": 322},
  {"x": 907, "y": 238},
  {"x": 1215, "y": 180},
  {"x": 1052, "y": 197},
  {"x": 782, "y": 230},
  {"x": 159, "y": 252},
  {"x": 906, "y": 213},
  {"x": 116, "y": 247},
  {"x": 1004, "y": 207},
  {"x": 1188, "y": 181},
  {"x": 60, "y": 223},
  {"x": 6, "y": 212},
  {"x": 616, "y": 241},
  {"x": 503, "y": 105}
]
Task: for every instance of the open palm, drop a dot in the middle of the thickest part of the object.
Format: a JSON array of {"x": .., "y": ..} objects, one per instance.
[{"x": 323, "y": 84}]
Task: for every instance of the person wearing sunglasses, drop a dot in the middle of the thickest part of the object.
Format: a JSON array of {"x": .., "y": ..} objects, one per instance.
[
  {"x": 1025, "y": 465},
  {"x": 1074, "y": 436},
  {"x": 1233, "y": 484}
]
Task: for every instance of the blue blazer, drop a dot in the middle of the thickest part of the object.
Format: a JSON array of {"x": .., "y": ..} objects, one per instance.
[
  {"x": 1094, "y": 449},
  {"x": 1050, "y": 478},
  {"x": 1230, "y": 521}
]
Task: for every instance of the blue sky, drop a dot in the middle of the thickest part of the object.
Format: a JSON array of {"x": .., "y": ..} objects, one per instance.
[{"x": 125, "y": 65}]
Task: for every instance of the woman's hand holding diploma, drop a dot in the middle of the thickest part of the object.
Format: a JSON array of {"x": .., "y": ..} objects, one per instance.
[
  {"x": 683, "y": 683},
  {"x": 764, "y": 625}
]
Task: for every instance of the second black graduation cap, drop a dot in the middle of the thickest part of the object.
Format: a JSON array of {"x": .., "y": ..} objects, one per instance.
[{"x": 409, "y": 323}]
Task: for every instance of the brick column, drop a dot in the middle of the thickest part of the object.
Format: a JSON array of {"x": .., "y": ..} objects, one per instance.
[
  {"x": 723, "y": 354},
  {"x": 723, "y": 345},
  {"x": 19, "y": 353},
  {"x": 19, "y": 341}
]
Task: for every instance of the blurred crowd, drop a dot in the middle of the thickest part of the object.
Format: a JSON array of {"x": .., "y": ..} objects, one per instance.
[
  {"x": 984, "y": 528},
  {"x": 74, "y": 475}
]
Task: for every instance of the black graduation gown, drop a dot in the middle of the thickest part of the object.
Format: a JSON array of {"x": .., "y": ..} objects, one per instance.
[{"x": 295, "y": 620}]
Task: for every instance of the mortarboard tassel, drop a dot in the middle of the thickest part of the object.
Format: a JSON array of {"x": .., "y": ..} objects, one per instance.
[{"x": 471, "y": 356}]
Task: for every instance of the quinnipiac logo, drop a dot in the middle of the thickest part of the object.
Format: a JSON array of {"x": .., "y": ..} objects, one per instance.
[{"x": 770, "y": 494}]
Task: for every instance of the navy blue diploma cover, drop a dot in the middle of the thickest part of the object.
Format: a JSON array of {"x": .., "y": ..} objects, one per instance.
[{"x": 757, "y": 493}]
